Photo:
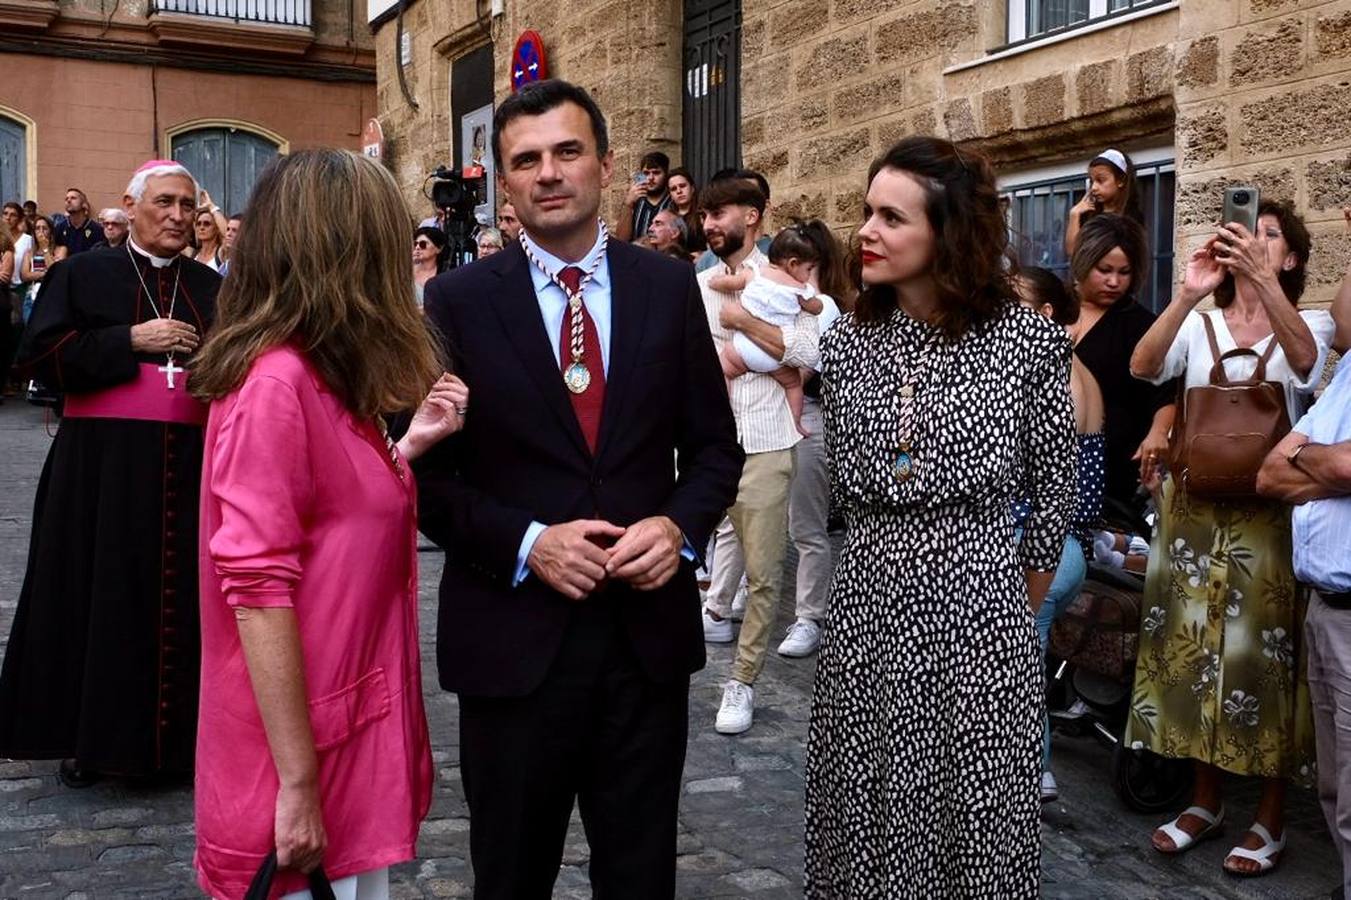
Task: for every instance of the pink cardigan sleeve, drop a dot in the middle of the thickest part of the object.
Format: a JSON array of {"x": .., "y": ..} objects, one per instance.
[{"x": 262, "y": 481}]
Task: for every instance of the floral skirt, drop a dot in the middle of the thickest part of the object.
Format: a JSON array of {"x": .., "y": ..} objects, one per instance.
[{"x": 1221, "y": 674}]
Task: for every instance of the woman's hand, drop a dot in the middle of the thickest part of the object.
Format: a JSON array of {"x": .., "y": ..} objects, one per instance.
[
  {"x": 1151, "y": 454},
  {"x": 1084, "y": 205},
  {"x": 1204, "y": 274},
  {"x": 1240, "y": 251},
  {"x": 299, "y": 827},
  {"x": 441, "y": 414}
]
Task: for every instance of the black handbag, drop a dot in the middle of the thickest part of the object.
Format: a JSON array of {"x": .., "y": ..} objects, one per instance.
[{"x": 261, "y": 885}]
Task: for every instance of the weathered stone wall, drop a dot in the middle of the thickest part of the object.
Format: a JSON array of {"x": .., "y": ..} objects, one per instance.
[
  {"x": 1265, "y": 101},
  {"x": 627, "y": 53},
  {"x": 1247, "y": 90},
  {"x": 827, "y": 87}
]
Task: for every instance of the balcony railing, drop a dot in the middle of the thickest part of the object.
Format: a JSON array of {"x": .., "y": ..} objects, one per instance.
[{"x": 270, "y": 12}]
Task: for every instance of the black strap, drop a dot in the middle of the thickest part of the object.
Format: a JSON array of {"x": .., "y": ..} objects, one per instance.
[{"x": 261, "y": 885}]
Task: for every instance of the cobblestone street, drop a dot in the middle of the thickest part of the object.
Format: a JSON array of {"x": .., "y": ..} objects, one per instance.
[{"x": 741, "y": 814}]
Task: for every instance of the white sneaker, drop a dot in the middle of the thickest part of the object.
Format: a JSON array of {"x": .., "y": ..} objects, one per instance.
[
  {"x": 717, "y": 631},
  {"x": 738, "y": 708},
  {"x": 803, "y": 637},
  {"x": 739, "y": 602},
  {"x": 1049, "y": 791}
]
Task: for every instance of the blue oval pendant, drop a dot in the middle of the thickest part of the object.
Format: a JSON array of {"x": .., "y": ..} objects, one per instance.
[{"x": 904, "y": 466}]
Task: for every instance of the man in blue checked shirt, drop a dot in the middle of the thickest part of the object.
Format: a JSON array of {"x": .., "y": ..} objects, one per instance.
[{"x": 1311, "y": 468}]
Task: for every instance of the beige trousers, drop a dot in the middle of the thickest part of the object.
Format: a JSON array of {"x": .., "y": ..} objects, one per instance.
[{"x": 760, "y": 525}]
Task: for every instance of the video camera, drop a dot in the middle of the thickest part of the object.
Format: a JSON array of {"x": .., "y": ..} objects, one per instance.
[{"x": 455, "y": 196}]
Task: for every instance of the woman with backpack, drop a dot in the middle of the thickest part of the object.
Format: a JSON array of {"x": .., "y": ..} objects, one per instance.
[{"x": 1219, "y": 677}]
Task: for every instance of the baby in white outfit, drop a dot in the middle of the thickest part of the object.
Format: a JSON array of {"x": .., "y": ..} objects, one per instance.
[{"x": 776, "y": 294}]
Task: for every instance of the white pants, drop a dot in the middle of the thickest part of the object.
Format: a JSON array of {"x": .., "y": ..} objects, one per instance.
[
  {"x": 366, "y": 886},
  {"x": 756, "y": 360}
]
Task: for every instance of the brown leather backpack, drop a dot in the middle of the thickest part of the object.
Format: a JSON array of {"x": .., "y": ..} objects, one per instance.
[{"x": 1224, "y": 430}]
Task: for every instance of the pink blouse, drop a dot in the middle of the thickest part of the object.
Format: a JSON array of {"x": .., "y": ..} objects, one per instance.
[{"x": 301, "y": 507}]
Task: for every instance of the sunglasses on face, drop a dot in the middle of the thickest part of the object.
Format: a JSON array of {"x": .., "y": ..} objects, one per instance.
[{"x": 422, "y": 245}]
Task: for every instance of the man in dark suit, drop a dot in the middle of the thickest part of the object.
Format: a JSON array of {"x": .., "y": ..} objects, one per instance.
[{"x": 600, "y": 452}]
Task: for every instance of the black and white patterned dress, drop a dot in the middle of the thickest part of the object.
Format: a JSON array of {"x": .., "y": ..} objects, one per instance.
[{"x": 924, "y": 750}]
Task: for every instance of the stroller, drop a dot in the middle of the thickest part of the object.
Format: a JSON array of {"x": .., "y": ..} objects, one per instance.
[{"x": 1091, "y": 671}]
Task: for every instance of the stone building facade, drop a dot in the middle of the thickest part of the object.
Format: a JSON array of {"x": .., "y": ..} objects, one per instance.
[
  {"x": 93, "y": 88},
  {"x": 1212, "y": 92}
]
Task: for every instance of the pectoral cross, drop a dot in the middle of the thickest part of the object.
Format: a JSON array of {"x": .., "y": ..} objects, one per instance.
[{"x": 169, "y": 371}]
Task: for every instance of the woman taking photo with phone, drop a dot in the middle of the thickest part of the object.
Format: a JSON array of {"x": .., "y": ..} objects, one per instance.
[
  {"x": 943, "y": 399},
  {"x": 35, "y": 263},
  {"x": 312, "y": 740},
  {"x": 1220, "y": 678}
]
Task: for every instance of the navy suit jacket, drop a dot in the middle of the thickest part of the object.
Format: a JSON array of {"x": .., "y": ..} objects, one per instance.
[{"x": 667, "y": 446}]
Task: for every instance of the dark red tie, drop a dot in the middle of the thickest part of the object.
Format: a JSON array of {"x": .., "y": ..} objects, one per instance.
[{"x": 588, "y": 404}]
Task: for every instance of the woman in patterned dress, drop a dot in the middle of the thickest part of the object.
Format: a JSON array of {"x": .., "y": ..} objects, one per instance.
[
  {"x": 1219, "y": 677},
  {"x": 942, "y": 399}
]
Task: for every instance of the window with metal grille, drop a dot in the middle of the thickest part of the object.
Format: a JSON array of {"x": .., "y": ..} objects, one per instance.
[
  {"x": 226, "y": 161},
  {"x": 1029, "y": 19},
  {"x": 273, "y": 12},
  {"x": 712, "y": 104},
  {"x": 1039, "y": 206}
]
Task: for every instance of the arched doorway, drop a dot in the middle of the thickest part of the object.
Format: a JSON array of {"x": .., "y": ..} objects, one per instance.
[
  {"x": 13, "y": 160},
  {"x": 227, "y": 160}
]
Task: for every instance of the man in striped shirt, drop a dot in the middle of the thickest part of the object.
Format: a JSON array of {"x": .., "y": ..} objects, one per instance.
[{"x": 732, "y": 211}]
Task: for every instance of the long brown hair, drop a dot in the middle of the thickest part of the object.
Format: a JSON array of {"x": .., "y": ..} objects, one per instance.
[
  {"x": 301, "y": 272},
  {"x": 972, "y": 268}
]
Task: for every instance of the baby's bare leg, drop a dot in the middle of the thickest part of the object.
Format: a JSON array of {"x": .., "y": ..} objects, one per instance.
[
  {"x": 791, "y": 379},
  {"x": 733, "y": 366}
]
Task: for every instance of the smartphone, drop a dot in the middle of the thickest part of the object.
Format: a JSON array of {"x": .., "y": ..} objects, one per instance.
[
  {"x": 39, "y": 262},
  {"x": 1240, "y": 205},
  {"x": 639, "y": 178}
]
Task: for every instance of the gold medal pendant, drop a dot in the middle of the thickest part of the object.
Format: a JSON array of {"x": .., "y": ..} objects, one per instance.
[{"x": 577, "y": 377}]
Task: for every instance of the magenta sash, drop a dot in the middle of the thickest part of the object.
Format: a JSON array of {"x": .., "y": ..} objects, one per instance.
[{"x": 146, "y": 397}]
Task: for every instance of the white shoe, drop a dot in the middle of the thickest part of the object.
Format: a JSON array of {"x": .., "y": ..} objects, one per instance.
[
  {"x": 739, "y": 602},
  {"x": 803, "y": 637},
  {"x": 737, "y": 710},
  {"x": 717, "y": 631},
  {"x": 1050, "y": 792}
]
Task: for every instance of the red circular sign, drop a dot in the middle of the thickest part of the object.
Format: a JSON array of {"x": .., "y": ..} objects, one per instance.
[{"x": 527, "y": 60}]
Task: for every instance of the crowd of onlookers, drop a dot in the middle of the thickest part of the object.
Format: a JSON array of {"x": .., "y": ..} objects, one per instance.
[
  {"x": 1245, "y": 638},
  {"x": 1243, "y": 643}
]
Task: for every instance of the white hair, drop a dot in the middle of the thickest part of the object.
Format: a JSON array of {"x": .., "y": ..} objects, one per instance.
[
  {"x": 113, "y": 213},
  {"x": 136, "y": 187}
]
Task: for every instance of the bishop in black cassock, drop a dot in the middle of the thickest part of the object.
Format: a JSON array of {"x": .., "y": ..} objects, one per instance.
[{"x": 101, "y": 669}]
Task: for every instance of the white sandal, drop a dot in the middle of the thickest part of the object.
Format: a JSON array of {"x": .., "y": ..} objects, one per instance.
[
  {"x": 1183, "y": 841},
  {"x": 1262, "y": 855}
]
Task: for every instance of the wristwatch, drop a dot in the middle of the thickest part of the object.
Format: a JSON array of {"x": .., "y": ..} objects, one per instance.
[{"x": 1293, "y": 458}]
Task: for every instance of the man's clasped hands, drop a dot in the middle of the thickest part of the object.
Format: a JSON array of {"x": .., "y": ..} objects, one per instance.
[{"x": 577, "y": 558}]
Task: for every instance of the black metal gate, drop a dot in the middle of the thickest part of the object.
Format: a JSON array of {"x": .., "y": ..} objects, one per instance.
[{"x": 712, "y": 106}]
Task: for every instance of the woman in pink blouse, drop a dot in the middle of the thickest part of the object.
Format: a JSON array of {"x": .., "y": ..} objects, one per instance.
[{"x": 312, "y": 739}]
